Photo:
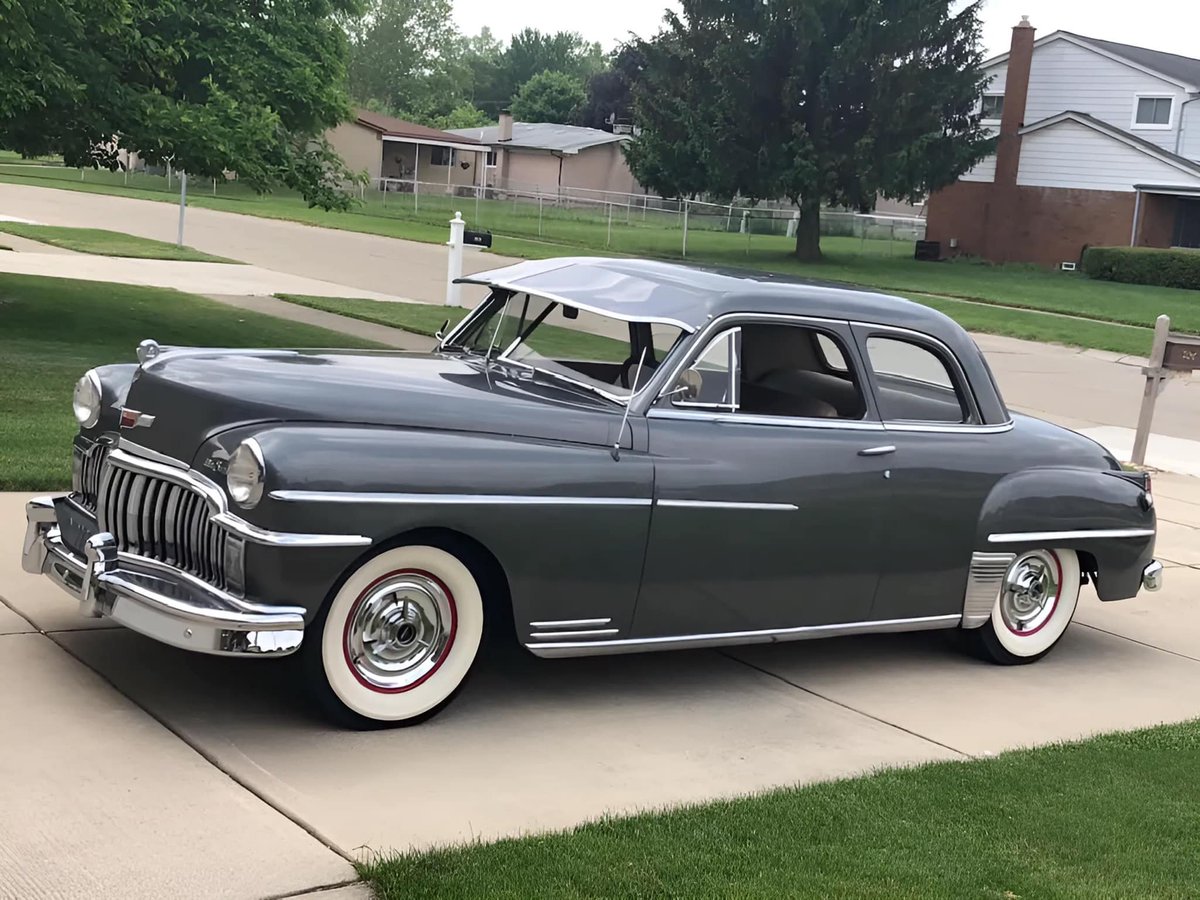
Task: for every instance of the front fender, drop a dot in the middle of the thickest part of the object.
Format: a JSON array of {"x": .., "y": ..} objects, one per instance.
[
  {"x": 1105, "y": 516},
  {"x": 567, "y": 523}
]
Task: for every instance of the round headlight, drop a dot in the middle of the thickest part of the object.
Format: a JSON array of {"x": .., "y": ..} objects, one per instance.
[
  {"x": 244, "y": 476},
  {"x": 87, "y": 399}
]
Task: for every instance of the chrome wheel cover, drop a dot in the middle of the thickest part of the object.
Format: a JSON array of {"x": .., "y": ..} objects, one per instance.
[
  {"x": 1032, "y": 588},
  {"x": 400, "y": 631}
]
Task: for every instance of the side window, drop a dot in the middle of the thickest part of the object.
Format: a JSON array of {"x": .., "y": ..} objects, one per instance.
[
  {"x": 710, "y": 381},
  {"x": 780, "y": 370},
  {"x": 913, "y": 383},
  {"x": 830, "y": 353}
]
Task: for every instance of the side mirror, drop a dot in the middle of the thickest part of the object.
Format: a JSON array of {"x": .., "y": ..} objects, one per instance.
[
  {"x": 570, "y": 312},
  {"x": 688, "y": 386}
]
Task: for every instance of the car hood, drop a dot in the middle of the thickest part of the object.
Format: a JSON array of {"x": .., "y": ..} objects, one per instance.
[{"x": 193, "y": 395}]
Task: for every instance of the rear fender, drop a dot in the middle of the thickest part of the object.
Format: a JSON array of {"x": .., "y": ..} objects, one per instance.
[{"x": 1105, "y": 516}]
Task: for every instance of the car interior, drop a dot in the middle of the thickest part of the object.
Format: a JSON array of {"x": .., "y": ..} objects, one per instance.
[{"x": 798, "y": 372}]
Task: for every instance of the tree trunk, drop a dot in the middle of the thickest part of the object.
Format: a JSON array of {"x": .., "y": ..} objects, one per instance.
[{"x": 808, "y": 232}]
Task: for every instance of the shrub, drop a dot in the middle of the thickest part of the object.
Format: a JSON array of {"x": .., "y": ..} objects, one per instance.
[{"x": 1144, "y": 265}]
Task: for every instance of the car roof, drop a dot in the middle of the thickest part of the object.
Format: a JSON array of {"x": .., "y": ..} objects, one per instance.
[{"x": 643, "y": 290}]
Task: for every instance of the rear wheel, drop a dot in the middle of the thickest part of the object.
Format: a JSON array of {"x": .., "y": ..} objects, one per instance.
[
  {"x": 1036, "y": 604},
  {"x": 396, "y": 641}
]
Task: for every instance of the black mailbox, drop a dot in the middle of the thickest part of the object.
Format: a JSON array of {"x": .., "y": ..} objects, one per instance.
[{"x": 477, "y": 238}]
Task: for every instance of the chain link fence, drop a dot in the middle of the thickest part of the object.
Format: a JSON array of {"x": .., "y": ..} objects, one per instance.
[{"x": 592, "y": 220}]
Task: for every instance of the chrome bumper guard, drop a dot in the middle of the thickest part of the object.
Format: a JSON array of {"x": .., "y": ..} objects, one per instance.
[
  {"x": 153, "y": 598},
  {"x": 1152, "y": 575}
]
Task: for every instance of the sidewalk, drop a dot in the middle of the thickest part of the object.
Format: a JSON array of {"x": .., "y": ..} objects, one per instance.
[{"x": 193, "y": 277}]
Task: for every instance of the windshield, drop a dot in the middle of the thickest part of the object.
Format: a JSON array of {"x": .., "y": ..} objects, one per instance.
[{"x": 589, "y": 350}]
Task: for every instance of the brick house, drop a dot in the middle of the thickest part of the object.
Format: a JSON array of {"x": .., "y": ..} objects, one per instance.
[{"x": 1099, "y": 144}]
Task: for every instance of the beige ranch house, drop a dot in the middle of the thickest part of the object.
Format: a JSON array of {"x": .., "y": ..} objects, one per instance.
[
  {"x": 543, "y": 157},
  {"x": 397, "y": 154}
]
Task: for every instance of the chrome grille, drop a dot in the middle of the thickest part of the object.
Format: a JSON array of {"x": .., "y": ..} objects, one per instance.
[
  {"x": 90, "y": 465},
  {"x": 159, "y": 519}
]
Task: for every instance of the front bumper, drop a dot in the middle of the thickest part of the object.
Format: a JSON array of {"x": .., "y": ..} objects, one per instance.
[{"x": 154, "y": 598}]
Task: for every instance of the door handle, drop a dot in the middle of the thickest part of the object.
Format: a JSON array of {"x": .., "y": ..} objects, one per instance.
[{"x": 877, "y": 451}]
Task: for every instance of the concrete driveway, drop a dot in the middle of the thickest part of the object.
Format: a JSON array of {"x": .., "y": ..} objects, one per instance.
[{"x": 129, "y": 767}]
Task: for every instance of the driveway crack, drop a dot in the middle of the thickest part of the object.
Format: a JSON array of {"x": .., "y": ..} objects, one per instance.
[{"x": 846, "y": 706}]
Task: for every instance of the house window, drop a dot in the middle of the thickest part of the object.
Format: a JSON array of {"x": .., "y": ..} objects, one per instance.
[
  {"x": 1153, "y": 112},
  {"x": 441, "y": 156},
  {"x": 491, "y": 159},
  {"x": 992, "y": 108}
]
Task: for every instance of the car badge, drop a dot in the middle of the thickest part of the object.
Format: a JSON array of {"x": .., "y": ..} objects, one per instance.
[{"x": 131, "y": 418}]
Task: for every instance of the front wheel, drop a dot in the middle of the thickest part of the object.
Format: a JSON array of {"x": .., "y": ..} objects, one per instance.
[
  {"x": 1036, "y": 604},
  {"x": 397, "y": 640}
]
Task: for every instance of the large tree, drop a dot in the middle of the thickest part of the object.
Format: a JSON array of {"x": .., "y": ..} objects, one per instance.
[
  {"x": 213, "y": 85},
  {"x": 832, "y": 101},
  {"x": 549, "y": 97},
  {"x": 407, "y": 56},
  {"x": 610, "y": 92}
]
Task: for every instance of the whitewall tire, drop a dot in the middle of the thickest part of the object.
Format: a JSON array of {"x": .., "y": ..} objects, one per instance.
[
  {"x": 397, "y": 640},
  {"x": 1036, "y": 604}
]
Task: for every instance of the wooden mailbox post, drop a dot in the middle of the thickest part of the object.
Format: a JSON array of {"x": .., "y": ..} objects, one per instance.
[{"x": 1171, "y": 354}]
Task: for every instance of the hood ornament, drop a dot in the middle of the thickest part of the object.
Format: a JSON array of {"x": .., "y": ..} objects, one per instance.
[{"x": 147, "y": 350}]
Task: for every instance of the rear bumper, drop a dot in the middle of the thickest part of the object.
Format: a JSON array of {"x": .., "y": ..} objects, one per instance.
[{"x": 154, "y": 598}]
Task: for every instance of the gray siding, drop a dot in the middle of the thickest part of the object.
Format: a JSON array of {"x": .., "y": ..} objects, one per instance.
[
  {"x": 1189, "y": 143},
  {"x": 1070, "y": 155},
  {"x": 1065, "y": 76}
]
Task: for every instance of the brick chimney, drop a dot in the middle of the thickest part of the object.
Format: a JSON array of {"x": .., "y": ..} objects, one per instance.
[
  {"x": 506, "y": 124},
  {"x": 1016, "y": 92}
]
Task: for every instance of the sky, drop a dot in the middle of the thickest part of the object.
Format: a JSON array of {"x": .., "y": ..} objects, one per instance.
[{"x": 1169, "y": 25}]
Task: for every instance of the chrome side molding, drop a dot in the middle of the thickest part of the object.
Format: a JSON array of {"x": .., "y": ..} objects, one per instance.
[
  {"x": 1022, "y": 537},
  {"x": 768, "y": 636}
]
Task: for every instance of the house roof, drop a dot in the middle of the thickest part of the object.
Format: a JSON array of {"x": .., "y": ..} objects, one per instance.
[
  {"x": 1183, "y": 70},
  {"x": 1139, "y": 143},
  {"x": 1180, "y": 68},
  {"x": 390, "y": 126},
  {"x": 569, "y": 139}
]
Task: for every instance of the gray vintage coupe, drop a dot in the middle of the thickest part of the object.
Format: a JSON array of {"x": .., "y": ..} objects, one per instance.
[{"x": 608, "y": 455}]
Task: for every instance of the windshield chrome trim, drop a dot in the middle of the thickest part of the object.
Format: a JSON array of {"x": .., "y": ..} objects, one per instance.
[{"x": 453, "y": 499}]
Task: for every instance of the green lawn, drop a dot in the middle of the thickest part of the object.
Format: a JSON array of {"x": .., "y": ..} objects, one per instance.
[
  {"x": 53, "y": 329},
  {"x": 883, "y": 264},
  {"x": 106, "y": 243},
  {"x": 1113, "y": 817},
  {"x": 425, "y": 318},
  {"x": 421, "y": 318}
]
